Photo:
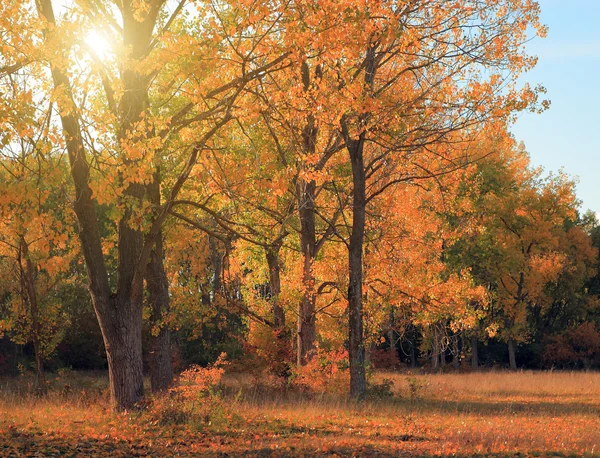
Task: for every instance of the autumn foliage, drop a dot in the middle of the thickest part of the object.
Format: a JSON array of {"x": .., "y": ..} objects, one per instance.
[{"x": 315, "y": 188}]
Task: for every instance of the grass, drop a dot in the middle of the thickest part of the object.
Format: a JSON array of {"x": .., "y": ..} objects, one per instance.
[{"x": 496, "y": 414}]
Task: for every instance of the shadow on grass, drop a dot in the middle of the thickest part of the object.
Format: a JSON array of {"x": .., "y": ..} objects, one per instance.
[
  {"x": 30, "y": 444},
  {"x": 538, "y": 408}
]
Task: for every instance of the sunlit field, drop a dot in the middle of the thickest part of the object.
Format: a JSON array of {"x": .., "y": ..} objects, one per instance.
[{"x": 472, "y": 414}]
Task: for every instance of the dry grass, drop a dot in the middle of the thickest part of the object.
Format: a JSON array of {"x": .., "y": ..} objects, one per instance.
[{"x": 476, "y": 414}]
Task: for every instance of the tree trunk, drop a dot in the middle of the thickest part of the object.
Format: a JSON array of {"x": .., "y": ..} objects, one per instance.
[
  {"x": 282, "y": 343},
  {"x": 31, "y": 296},
  {"x": 119, "y": 313},
  {"x": 272, "y": 256},
  {"x": 393, "y": 353},
  {"x": 122, "y": 333},
  {"x": 306, "y": 194},
  {"x": 455, "y": 352},
  {"x": 474, "y": 352},
  {"x": 356, "y": 349},
  {"x": 413, "y": 351},
  {"x": 161, "y": 369},
  {"x": 306, "y": 309},
  {"x": 512, "y": 357},
  {"x": 157, "y": 285},
  {"x": 435, "y": 349}
]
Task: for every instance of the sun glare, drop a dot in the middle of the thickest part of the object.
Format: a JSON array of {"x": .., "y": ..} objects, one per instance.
[{"x": 96, "y": 41}]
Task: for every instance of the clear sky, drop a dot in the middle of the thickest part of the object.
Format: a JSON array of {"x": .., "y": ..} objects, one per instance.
[{"x": 568, "y": 134}]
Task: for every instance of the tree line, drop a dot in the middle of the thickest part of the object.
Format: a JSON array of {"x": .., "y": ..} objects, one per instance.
[{"x": 302, "y": 175}]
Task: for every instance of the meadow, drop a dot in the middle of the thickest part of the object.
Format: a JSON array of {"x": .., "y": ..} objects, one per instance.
[{"x": 457, "y": 414}]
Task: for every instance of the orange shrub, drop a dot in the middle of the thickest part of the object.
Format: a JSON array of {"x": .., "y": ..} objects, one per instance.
[{"x": 326, "y": 372}]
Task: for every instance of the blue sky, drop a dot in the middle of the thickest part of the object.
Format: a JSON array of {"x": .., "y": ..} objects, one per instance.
[{"x": 568, "y": 134}]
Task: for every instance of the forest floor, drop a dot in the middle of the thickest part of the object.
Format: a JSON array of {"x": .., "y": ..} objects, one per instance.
[{"x": 491, "y": 414}]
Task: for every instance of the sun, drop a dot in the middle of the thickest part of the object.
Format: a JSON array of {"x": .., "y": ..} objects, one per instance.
[{"x": 99, "y": 45}]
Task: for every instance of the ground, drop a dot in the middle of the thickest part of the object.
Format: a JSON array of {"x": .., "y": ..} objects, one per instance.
[{"x": 492, "y": 414}]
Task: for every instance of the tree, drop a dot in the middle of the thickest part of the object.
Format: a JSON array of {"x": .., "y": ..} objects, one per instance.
[{"x": 116, "y": 161}]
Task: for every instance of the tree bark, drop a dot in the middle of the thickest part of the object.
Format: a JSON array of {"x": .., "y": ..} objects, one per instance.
[
  {"x": 306, "y": 193},
  {"x": 161, "y": 369},
  {"x": 272, "y": 255},
  {"x": 157, "y": 285},
  {"x": 31, "y": 296},
  {"x": 512, "y": 354},
  {"x": 393, "y": 352},
  {"x": 356, "y": 349},
  {"x": 455, "y": 352},
  {"x": 474, "y": 352},
  {"x": 306, "y": 309},
  {"x": 413, "y": 349}
]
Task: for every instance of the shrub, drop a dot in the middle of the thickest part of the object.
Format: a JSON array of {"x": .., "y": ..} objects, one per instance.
[
  {"x": 577, "y": 347},
  {"x": 326, "y": 372},
  {"x": 195, "y": 399}
]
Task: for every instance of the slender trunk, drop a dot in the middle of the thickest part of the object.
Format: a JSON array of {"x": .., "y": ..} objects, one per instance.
[
  {"x": 435, "y": 359},
  {"x": 306, "y": 309},
  {"x": 512, "y": 357},
  {"x": 283, "y": 350},
  {"x": 413, "y": 354},
  {"x": 393, "y": 353},
  {"x": 356, "y": 349},
  {"x": 474, "y": 352},
  {"x": 455, "y": 353},
  {"x": 306, "y": 193},
  {"x": 272, "y": 255},
  {"x": 31, "y": 296}
]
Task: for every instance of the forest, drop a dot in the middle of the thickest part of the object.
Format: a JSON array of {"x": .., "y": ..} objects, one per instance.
[{"x": 299, "y": 195}]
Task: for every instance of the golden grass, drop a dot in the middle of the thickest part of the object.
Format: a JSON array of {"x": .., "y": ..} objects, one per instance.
[{"x": 475, "y": 414}]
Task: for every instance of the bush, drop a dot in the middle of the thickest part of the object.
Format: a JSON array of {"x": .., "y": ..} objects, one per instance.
[
  {"x": 578, "y": 347},
  {"x": 196, "y": 398},
  {"x": 326, "y": 372}
]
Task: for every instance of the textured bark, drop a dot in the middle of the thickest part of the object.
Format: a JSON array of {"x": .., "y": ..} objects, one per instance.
[
  {"x": 161, "y": 369},
  {"x": 306, "y": 191},
  {"x": 512, "y": 354},
  {"x": 306, "y": 308},
  {"x": 157, "y": 285},
  {"x": 356, "y": 349},
  {"x": 122, "y": 334}
]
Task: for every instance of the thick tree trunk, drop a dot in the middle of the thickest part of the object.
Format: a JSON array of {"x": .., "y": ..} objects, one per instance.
[
  {"x": 161, "y": 369},
  {"x": 474, "y": 352},
  {"x": 121, "y": 325},
  {"x": 157, "y": 285},
  {"x": 512, "y": 354}
]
